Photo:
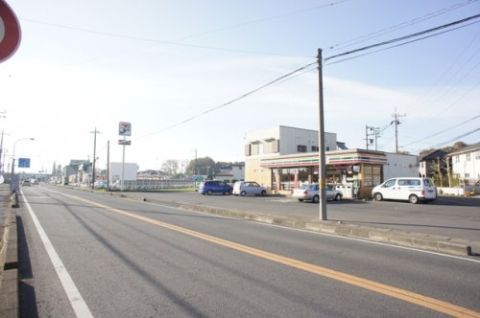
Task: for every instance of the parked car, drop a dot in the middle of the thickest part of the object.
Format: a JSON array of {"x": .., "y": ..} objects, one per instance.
[
  {"x": 310, "y": 192},
  {"x": 100, "y": 184},
  {"x": 214, "y": 186},
  {"x": 26, "y": 183},
  {"x": 244, "y": 188},
  {"x": 413, "y": 190}
]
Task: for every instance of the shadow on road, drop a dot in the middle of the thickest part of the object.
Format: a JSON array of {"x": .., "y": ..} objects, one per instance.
[
  {"x": 26, "y": 290},
  {"x": 457, "y": 201}
]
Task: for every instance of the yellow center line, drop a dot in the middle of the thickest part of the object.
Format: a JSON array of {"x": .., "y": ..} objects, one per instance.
[{"x": 394, "y": 292}]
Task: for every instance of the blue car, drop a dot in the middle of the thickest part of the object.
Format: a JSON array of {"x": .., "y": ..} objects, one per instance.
[{"x": 210, "y": 187}]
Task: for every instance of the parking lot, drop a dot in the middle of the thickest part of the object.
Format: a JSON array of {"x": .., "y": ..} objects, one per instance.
[{"x": 448, "y": 216}]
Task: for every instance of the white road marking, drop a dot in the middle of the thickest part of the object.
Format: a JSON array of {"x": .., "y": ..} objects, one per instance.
[{"x": 74, "y": 297}]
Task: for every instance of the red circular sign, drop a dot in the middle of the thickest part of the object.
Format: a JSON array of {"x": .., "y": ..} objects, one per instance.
[{"x": 9, "y": 32}]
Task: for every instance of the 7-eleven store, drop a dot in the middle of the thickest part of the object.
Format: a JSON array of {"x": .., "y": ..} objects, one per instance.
[{"x": 354, "y": 171}]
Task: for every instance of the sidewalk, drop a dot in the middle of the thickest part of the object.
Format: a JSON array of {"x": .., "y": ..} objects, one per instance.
[{"x": 8, "y": 256}]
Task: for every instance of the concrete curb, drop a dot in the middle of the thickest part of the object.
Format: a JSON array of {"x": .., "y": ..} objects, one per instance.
[
  {"x": 434, "y": 243},
  {"x": 9, "y": 297}
]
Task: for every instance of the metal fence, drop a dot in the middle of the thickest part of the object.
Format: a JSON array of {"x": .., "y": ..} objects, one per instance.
[{"x": 154, "y": 185}]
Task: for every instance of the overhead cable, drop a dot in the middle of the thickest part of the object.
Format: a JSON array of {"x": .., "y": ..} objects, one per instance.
[
  {"x": 457, "y": 138},
  {"x": 402, "y": 38},
  {"x": 143, "y": 39},
  {"x": 251, "y": 92},
  {"x": 444, "y": 130},
  {"x": 396, "y": 27},
  {"x": 290, "y": 74}
]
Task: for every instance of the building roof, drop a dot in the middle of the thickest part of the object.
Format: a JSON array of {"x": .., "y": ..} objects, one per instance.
[
  {"x": 339, "y": 157},
  {"x": 434, "y": 155},
  {"x": 471, "y": 148}
]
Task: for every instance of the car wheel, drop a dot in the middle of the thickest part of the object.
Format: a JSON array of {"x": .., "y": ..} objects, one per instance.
[
  {"x": 301, "y": 200},
  {"x": 316, "y": 199},
  {"x": 378, "y": 197},
  {"x": 413, "y": 199},
  {"x": 243, "y": 193},
  {"x": 338, "y": 197},
  {"x": 230, "y": 192},
  {"x": 264, "y": 193},
  {"x": 209, "y": 192}
]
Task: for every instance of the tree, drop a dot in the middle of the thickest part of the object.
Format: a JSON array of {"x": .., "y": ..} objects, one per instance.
[
  {"x": 459, "y": 145},
  {"x": 201, "y": 166},
  {"x": 170, "y": 167}
]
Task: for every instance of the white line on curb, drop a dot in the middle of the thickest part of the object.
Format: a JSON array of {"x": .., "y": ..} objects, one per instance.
[{"x": 74, "y": 297}]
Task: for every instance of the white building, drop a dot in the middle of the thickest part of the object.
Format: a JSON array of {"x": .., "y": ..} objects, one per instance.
[
  {"x": 130, "y": 171},
  {"x": 231, "y": 172},
  {"x": 284, "y": 140},
  {"x": 284, "y": 157},
  {"x": 400, "y": 165},
  {"x": 466, "y": 164}
]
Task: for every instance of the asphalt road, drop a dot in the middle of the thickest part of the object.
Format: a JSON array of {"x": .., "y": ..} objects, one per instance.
[
  {"x": 128, "y": 258},
  {"x": 455, "y": 217}
]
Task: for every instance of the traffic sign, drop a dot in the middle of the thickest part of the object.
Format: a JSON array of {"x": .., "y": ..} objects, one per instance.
[
  {"x": 124, "y": 128},
  {"x": 124, "y": 142},
  {"x": 24, "y": 162},
  {"x": 9, "y": 32}
]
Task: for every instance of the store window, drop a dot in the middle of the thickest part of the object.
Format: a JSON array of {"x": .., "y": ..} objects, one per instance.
[{"x": 301, "y": 148}]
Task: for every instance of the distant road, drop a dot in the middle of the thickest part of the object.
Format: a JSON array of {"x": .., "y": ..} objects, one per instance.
[{"x": 129, "y": 258}]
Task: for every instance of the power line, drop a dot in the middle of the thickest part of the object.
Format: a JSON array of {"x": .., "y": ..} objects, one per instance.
[
  {"x": 443, "y": 130},
  {"x": 458, "y": 137},
  {"x": 398, "y": 45},
  {"x": 402, "y": 38},
  {"x": 251, "y": 92},
  {"x": 396, "y": 27},
  {"x": 289, "y": 75},
  {"x": 259, "y": 20},
  {"x": 446, "y": 71},
  {"x": 156, "y": 41}
]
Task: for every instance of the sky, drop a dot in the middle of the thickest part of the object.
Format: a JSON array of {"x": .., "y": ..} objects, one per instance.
[{"x": 90, "y": 64}]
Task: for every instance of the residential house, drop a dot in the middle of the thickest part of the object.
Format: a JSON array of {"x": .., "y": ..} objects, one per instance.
[
  {"x": 466, "y": 164},
  {"x": 436, "y": 165}
]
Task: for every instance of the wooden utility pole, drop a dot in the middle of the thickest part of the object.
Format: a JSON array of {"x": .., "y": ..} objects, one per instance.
[{"x": 321, "y": 143}]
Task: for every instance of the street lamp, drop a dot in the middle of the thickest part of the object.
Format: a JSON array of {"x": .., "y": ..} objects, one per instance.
[{"x": 13, "y": 160}]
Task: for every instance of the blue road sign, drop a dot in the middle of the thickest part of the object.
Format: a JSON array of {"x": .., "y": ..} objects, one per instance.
[{"x": 24, "y": 162}]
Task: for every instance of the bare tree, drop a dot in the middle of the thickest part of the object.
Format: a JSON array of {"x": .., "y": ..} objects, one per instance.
[{"x": 170, "y": 167}]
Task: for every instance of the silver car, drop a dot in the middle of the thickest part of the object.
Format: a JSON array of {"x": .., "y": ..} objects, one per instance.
[
  {"x": 244, "y": 188},
  {"x": 310, "y": 192}
]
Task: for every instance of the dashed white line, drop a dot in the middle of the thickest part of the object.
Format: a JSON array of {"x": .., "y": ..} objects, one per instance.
[{"x": 76, "y": 300}]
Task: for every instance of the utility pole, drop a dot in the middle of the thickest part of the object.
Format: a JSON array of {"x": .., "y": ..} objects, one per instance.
[
  {"x": 1, "y": 150},
  {"x": 321, "y": 142},
  {"x": 108, "y": 165},
  {"x": 366, "y": 137},
  {"x": 374, "y": 131},
  {"x": 95, "y": 132},
  {"x": 195, "y": 168},
  {"x": 396, "y": 116}
]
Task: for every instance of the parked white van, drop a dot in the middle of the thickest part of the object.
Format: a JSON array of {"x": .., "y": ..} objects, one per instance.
[{"x": 406, "y": 189}]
